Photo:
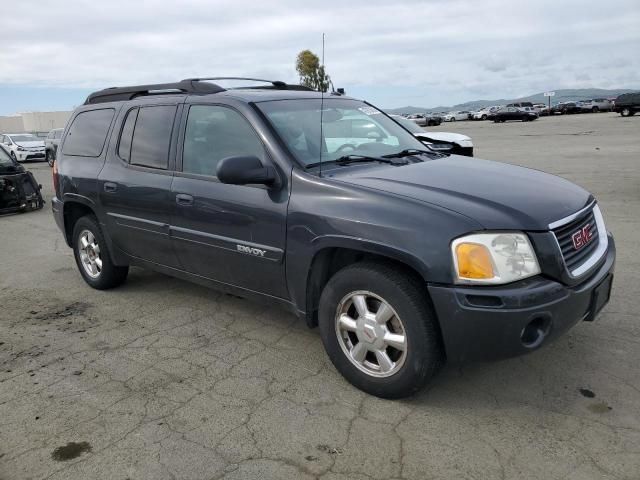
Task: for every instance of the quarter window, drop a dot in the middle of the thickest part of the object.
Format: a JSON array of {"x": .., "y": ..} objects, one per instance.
[
  {"x": 213, "y": 133},
  {"x": 152, "y": 136},
  {"x": 88, "y": 133},
  {"x": 124, "y": 146}
]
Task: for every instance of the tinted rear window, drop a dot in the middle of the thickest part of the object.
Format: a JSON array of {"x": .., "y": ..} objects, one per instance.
[
  {"x": 88, "y": 133},
  {"x": 152, "y": 136}
]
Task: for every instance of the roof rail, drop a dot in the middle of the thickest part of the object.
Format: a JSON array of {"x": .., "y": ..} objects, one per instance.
[
  {"x": 115, "y": 94},
  {"x": 200, "y": 86},
  {"x": 276, "y": 84}
]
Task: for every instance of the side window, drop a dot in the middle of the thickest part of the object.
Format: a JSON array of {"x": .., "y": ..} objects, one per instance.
[
  {"x": 88, "y": 133},
  {"x": 214, "y": 133},
  {"x": 152, "y": 136},
  {"x": 124, "y": 145}
]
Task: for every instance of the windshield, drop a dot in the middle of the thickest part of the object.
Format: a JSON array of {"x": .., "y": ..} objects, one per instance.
[
  {"x": 24, "y": 138},
  {"x": 349, "y": 127},
  {"x": 410, "y": 125}
]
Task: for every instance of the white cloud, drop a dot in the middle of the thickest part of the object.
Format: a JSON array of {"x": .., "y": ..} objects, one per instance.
[{"x": 439, "y": 51}]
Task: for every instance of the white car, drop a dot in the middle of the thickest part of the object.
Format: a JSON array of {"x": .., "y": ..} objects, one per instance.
[
  {"x": 484, "y": 113},
  {"x": 444, "y": 142},
  {"x": 23, "y": 146},
  {"x": 454, "y": 116}
]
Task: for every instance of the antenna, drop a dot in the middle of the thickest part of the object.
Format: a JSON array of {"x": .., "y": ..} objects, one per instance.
[{"x": 321, "y": 105}]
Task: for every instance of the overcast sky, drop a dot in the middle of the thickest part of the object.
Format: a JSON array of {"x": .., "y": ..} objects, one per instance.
[{"x": 393, "y": 53}]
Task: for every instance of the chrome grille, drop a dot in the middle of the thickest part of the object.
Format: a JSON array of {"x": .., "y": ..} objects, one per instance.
[{"x": 574, "y": 258}]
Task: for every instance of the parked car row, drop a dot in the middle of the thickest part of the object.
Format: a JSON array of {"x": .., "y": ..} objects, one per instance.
[{"x": 626, "y": 104}]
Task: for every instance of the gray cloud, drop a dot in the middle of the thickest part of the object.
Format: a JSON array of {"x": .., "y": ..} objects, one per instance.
[{"x": 424, "y": 52}]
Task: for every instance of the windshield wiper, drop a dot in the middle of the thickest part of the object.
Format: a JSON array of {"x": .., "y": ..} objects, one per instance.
[
  {"x": 411, "y": 151},
  {"x": 348, "y": 159}
]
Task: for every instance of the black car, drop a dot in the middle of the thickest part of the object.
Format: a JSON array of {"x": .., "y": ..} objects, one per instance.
[
  {"x": 405, "y": 257},
  {"x": 566, "y": 108},
  {"x": 513, "y": 113},
  {"x": 19, "y": 191},
  {"x": 627, "y": 104}
]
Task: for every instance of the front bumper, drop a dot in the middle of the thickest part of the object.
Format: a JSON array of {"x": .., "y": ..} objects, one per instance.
[
  {"x": 487, "y": 323},
  {"x": 30, "y": 155}
]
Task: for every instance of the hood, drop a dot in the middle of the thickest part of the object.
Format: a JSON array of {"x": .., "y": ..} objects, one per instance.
[
  {"x": 496, "y": 195},
  {"x": 36, "y": 143},
  {"x": 445, "y": 137}
]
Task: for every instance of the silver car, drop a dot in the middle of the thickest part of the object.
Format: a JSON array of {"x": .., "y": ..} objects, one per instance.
[{"x": 597, "y": 105}]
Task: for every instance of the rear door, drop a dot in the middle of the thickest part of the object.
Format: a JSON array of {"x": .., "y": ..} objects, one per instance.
[
  {"x": 135, "y": 184},
  {"x": 233, "y": 234}
]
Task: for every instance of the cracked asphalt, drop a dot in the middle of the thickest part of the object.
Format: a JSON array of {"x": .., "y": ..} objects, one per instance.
[{"x": 163, "y": 379}]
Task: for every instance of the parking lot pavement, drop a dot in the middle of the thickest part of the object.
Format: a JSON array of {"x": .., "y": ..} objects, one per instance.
[{"x": 164, "y": 379}]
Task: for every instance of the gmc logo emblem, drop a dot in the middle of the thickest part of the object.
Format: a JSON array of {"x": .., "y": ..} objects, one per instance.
[{"x": 582, "y": 237}]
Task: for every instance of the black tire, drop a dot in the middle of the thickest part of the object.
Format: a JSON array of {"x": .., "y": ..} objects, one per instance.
[
  {"x": 110, "y": 275},
  {"x": 408, "y": 297},
  {"x": 484, "y": 117},
  {"x": 452, "y": 119},
  {"x": 625, "y": 112},
  {"x": 595, "y": 109}
]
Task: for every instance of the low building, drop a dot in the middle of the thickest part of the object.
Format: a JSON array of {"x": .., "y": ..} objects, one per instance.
[{"x": 39, "y": 123}]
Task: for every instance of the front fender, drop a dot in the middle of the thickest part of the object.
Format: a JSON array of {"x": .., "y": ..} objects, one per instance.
[{"x": 369, "y": 246}]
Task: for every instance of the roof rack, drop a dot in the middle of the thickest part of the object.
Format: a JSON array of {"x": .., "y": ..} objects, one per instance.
[
  {"x": 115, "y": 94},
  {"x": 200, "y": 86},
  {"x": 275, "y": 84}
]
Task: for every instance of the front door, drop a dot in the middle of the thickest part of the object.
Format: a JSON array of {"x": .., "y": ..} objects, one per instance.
[{"x": 233, "y": 234}]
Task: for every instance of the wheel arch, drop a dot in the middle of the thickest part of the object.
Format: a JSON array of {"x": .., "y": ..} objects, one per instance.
[
  {"x": 73, "y": 210},
  {"x": 333, "y": 254}
]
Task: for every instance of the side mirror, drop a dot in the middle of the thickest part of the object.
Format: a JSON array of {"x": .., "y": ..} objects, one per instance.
[{"x": 245, "y": 170}]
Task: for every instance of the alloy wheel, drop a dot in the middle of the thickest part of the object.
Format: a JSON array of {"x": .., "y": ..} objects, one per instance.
[
  {"x": 371, "y": 334},
  {"x": 89, "y": 251}
]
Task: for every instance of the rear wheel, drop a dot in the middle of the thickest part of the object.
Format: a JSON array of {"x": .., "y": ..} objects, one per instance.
[
  {"x": 92, "y": 256},
  {"x": 625, "y": 112},
  {"x": 379, "y": 330},
  {"x": 595, "y": 109}
]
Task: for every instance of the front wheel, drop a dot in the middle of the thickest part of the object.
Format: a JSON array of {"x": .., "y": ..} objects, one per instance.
[
  {"x": 92, "y": 256},
  {"x": 626, "y": 112},
  {"x": 379, "y": 329}
]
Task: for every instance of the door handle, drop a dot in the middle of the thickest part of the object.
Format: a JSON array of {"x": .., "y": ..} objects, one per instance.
[
  {"x": 110, "y": 187},
  {"x": 184, "y": 200}
]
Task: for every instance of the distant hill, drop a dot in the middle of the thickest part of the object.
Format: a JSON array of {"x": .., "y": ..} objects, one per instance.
[{"x": 565, "y": 95}]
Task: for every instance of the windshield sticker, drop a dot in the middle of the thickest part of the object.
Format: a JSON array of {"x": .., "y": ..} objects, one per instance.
[{"x": 369, "y": 110}]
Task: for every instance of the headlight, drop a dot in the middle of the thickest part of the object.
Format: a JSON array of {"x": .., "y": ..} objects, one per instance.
[
  {"x": 493, "y": 258},
  {"x": 21, "y": 149}
]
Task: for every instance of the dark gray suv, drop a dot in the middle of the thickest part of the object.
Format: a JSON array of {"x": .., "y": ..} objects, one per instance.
[{"x": 403, "y": 256}]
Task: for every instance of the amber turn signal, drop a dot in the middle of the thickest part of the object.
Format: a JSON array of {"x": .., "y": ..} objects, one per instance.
[{"x": 474, "y": 261}]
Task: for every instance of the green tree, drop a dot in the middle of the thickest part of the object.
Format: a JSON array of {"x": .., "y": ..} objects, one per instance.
[{"x": 311, "y": 73}]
